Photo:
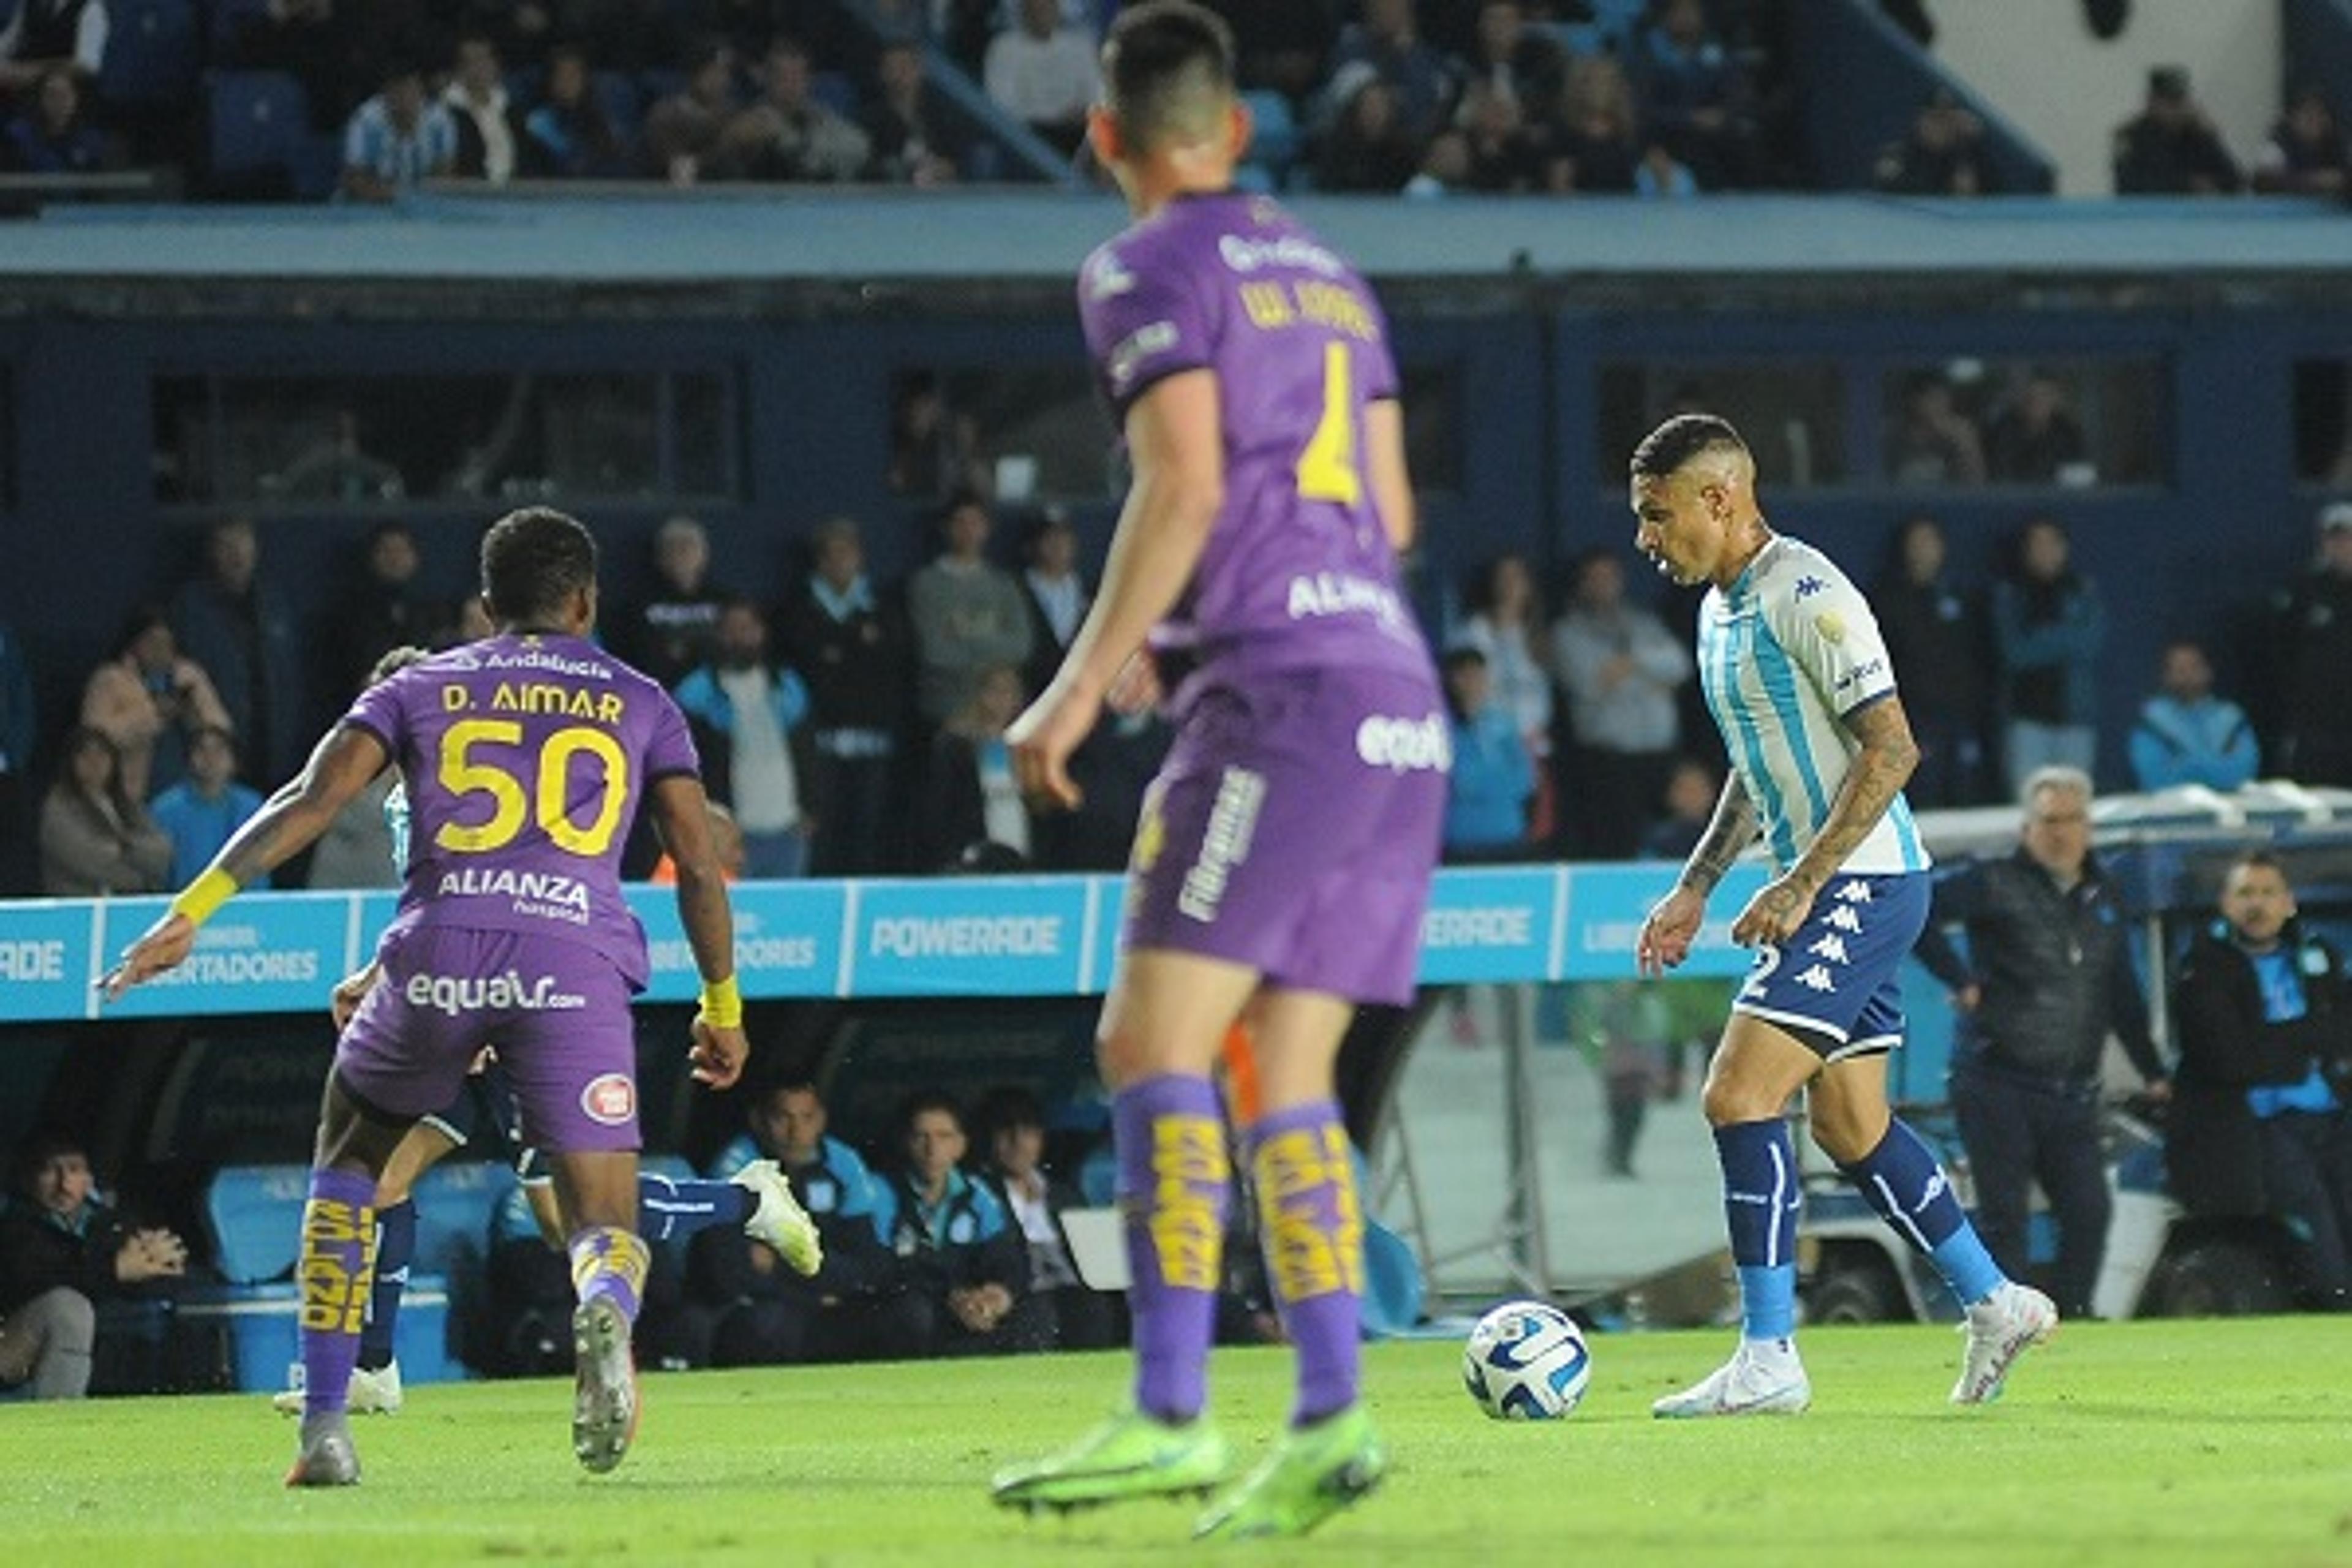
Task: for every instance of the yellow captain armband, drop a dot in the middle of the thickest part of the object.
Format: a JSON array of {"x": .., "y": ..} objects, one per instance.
[
  {"x": 723, "y": 1004},
  {"x": 207, "y": 893}
]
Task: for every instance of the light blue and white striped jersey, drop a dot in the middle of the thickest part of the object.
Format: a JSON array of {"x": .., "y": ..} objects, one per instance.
[{"x": 1791, "y": 648}]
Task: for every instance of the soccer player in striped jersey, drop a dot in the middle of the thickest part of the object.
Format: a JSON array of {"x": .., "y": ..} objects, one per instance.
[{"x": 1798, "y": 680}]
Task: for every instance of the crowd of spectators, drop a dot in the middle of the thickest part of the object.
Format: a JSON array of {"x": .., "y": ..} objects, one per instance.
[{"x": 1573, "y": 738}]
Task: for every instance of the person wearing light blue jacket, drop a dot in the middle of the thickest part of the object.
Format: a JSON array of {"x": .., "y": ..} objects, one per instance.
[
  {"x": 748, "y": 712},
  {"x": 2186, "y": 734}
]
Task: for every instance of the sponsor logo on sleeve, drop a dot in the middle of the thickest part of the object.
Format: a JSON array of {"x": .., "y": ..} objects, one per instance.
[{"x": 1128, "y": 357}]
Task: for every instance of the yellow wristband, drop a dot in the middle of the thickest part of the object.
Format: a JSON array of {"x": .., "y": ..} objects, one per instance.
[
  {"x": 208, "y": 893},
  {"x": 723, "y": 1004}
]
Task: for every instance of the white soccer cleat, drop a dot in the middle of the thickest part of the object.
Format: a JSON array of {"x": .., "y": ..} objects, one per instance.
[
  {"x": 2000, "y": 1328},
  {"x": 375, "y": 1393},
  {"x": 372, "y": 1393},
  {"x": 1746, "y": 1385},
  {"x": 780, "y": 1221}
]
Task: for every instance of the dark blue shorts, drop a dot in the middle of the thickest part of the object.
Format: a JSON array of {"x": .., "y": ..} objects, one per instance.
[{"x": 1834, "y": 983}]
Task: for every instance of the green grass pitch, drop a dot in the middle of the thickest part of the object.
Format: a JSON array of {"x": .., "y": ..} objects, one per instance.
[{"x": 2147, "y": 1444}]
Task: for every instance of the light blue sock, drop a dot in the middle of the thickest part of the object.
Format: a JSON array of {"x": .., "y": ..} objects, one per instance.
[
  {"x": 1902, "y": 1181},
  {"x": 1761, "y": 1198}
]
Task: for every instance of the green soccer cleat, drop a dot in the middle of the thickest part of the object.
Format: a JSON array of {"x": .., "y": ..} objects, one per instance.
[
  {"x": 1129, "y": 1456},
  {"x": 1312, "y": 1474}
]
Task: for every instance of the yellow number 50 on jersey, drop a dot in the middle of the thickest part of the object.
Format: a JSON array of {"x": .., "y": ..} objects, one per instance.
[{"x": 461, "y": 774}]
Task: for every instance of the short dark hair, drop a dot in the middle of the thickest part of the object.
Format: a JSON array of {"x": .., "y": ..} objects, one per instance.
[
  {"x": 1462, "y": 656},
  {"x": 1666, "y": 449},
  {"x": 532, "y": 560},
  {"x": 2254, "y": 860},
  {"x": 924, "y": 1101},
  {"x": 1154, "y": 54}
]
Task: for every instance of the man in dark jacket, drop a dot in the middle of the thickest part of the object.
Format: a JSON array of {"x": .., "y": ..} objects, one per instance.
[
  {"x": 2260, "y": 1125},
  {"x": 61, "y": 1251},
  {"x": 2048, "y": 976},
  {"x": 854, "y": 648},
  {"x": 961, "y": 1284}
]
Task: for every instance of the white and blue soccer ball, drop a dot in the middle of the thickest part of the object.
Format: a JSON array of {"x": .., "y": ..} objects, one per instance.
[{"x": 1527, "y": 1361}]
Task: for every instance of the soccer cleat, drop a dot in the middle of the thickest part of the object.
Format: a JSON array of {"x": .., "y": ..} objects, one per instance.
[
  {"x": 327, "y": 1457},
  {"x": 2000, "y": 1328},
  {"x": 1313, "y": 1473},
  {"x": 372, "y": 1393},
  {"x": 1744, "y": 1385},
  {"x": 605, "y": 1385},
  {"x": 780, "y": 1221},
  {"x": 1129, "y": 1456}
]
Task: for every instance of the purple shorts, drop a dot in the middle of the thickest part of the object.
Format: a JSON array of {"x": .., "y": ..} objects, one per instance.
[
  {"x": 1294, "y": 829},
  {"x": 557, "y": 1011}
]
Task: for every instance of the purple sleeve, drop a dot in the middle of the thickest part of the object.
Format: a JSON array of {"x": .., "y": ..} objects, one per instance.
[
  {"x": 380, "y": 712},
  {"x": 1143, "y": 322},
  {"x": 669, "y": 750}
]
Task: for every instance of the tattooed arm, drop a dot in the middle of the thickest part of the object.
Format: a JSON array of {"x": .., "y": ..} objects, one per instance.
[
  {"x": 1876, "y": 774},
  {"x": 1728, "y": 833}
]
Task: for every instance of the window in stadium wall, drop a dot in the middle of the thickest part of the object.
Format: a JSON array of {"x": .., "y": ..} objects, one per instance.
[
  {"x": 2072, "y": 422},
  {"x": 358, "y": 441},
  {"x": 1791, "y": 412},
  {"x": 1433, "y": 427},
  {"x": 2323, "y": 423},
  {"x": 1018, "y": 433}
]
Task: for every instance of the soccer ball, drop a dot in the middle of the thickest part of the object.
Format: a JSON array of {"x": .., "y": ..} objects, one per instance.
[{"x": 1527, "y": 1361}]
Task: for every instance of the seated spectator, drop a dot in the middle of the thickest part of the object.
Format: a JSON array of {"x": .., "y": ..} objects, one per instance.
[
  {"x": 1941, "y": 155},
  {"x": 96, "y": 838},
  {"x": 760, "y": 1312},
  {"x": 1072, "y": 1315},
  {"x": 1697, "y": 95},
  {"x": 2035, "y": 439},
  {"x": 1369, "y": 148},
  {"x": 51, "y": 136},
  {"x": 968, "y": 614},
  {"x": 200, "y": 812},
  {"x": 1492, "y": 780},
  {"x": 912, "y": 143},
  {"x": 380, "y": 609},
  {"x": 61, "y": 1252},
  {"x": 1042, "y": 72},
  {"x": 2306, "y": 155},
  {"x": 2260, "y": 1122},
  {"x": 1508, "y": 61},
  {"x": 2188, "y": 735},
  {"x": 684, "y": 132},
  {"x": 2170, "y": 148},
  {"x": 1933, "y": 443},
  {"x": 147, "y": 699},
  {"x": 789, "y": 134},
  {"x": 1386, "y": 47},
  {"x": 961, "y": 1285},
  {"x": 1692, "y": 790},
  {"x": 1493, "y": 147},
  {"x": 567, "y": 136},
  {"x": 853, "y": 649},
  {"x": 44, "y": 36},
  {"x": 396, "y": 140},
  {"x": 489, "y": 127},
  {"x": 675, "y": 628},
  {"x": 970, "y": 795},
  {"x": 1605, "y": 152},
  {"x": 749, "y": 712}
]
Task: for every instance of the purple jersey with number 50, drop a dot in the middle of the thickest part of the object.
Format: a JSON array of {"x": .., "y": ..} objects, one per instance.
[
  {"x": 1299, "y": 571},
  {"x": 525, "y": 758}
]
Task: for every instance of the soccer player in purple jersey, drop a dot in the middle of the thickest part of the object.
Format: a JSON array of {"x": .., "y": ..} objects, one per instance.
[
  {"x": 528, "y": 756},
  {"x": 1798, "y": 680},
  {"x": 1282, "y": 858}
]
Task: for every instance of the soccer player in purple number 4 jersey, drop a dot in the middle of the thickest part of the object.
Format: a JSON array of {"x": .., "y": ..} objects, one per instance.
[
  {"x": 527, "y": 756},
  {"x": 1282, "y": 858},
  {"x": 1798, "y": 680}
]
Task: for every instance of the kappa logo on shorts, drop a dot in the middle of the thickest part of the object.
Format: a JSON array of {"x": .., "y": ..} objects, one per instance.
[{"x": 610, "y": 1099}]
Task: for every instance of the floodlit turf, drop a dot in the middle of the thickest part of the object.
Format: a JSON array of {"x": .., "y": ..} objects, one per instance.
[{"x": 2144, "y": 1444}]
